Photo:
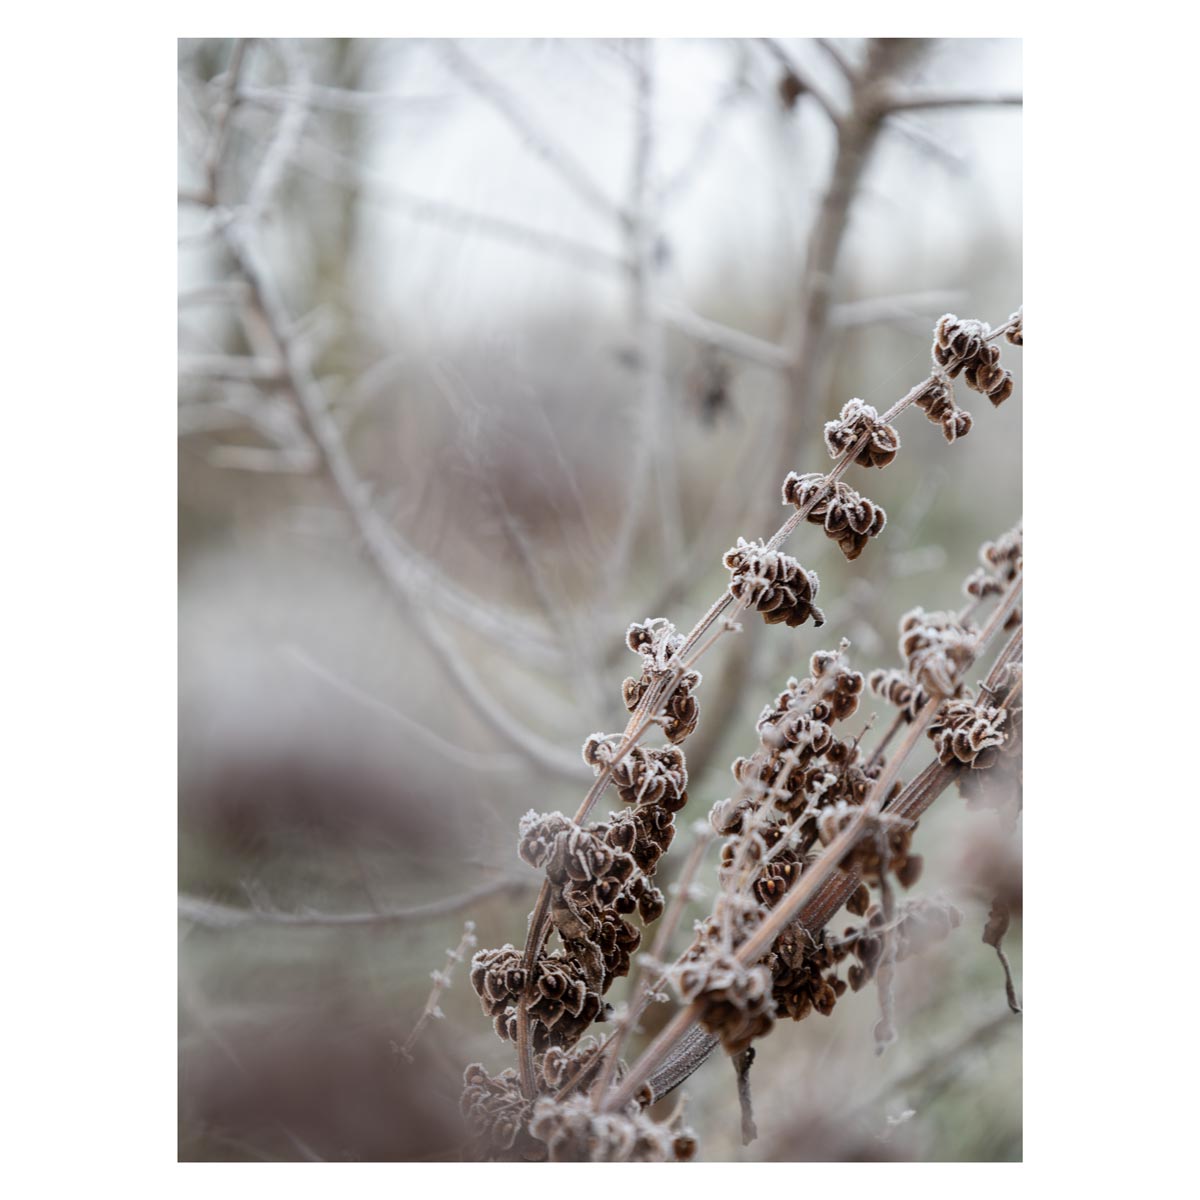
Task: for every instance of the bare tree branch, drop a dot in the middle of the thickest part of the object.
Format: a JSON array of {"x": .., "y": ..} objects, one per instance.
[
  {"x": 212, "y": 914},
  {"x": 234, "y": 368},
  {"x": 733, "y": 341},
  {"x": 839, "y": 57},
  {"x": 224, "y": 110},
  {"x": 287, "y": 134},
  {"x": 377, "y": 189},
  {"x": 338, "y": 99},
  {"x": 441, "y": 981},
  {"x": 805, "y": 77},
  {"x": 400, "y": 565},
  {"x": 452, "y": 752},
  {"x": 928, "y": 144},
  {"x": 652, "y": 463},
  {"x": 874, "y": 310},
  {"x": 913, "y": 97},
  {"x": 225, "y": 291},
  {"x": 702, "y": 147},
  {"x": 270, "y": 460},
  {"x": 552, "y": 154}
]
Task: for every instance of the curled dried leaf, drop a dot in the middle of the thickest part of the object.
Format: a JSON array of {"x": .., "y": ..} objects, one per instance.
[
  {"x": 856, "y": 421},
  {"x": 849, "y": 518},
  {"x": 773, "y": 583},
  {"x": 968, "y": 733},
  {"x": 735, "y": 1002},
  {"x": 936, "y": 648}
]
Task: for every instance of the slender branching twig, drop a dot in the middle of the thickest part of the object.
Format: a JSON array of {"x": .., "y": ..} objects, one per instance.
[{"x": 214, "y": 915}]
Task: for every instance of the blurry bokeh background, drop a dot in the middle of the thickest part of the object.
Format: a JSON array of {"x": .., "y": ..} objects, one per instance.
[{"x": 544, "y": 296}]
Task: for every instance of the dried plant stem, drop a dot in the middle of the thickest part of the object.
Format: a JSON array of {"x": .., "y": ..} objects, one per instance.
[
  {"x": 1010, "y": 988},
  {"x": 896, "y": 725},
  {"x": 666, "y": 931},
  {"x": 641, "y": 720},
  {"x": 885, "y": 1028},
  {"x": 741, "y": 1065},
  {"x": 587, "y": 1069},
  {"x": 441, "y": 981}
]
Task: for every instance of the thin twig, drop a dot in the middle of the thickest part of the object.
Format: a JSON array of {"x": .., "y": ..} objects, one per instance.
[
  {"x": 538, "y": 141},
  {"x": 441, "y": 981},
  {"x": 811, "y": 87},
  {"x": 839, "y": 57},
  {"x": 949, "y": 1057},
  {"x": 375, "y": 188},
  {"x": 283, "y": 145},
  {"x": 212, "y": 914},
  {"x": 668, "y": 924},
  {"x": 224, "y": 111},
  {"x": 701, "y": 151},
  {"x": 652, "y": 464},
  {"x": 913, "y": 97},
  {"x": 912, "y": 306},
  {"x": 724, "y": 337},
  {"x": 339, "y": 99},
  {"x": 232, "y": 368},
  {"x": 450, "y": 751}
]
